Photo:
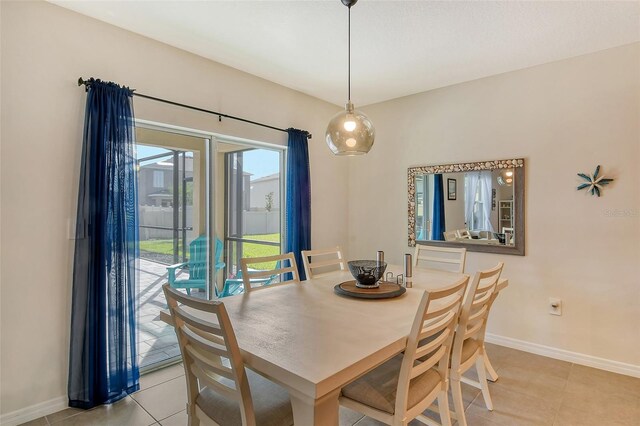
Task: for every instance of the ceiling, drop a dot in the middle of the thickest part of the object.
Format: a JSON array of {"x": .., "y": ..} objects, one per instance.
[{"x": 398, "y": 47}]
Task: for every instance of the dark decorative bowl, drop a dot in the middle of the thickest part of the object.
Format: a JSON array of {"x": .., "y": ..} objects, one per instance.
[{"x": 367, "y": 272}]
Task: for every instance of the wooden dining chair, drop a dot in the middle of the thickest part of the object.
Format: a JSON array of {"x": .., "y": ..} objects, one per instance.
[
  {"x": 442, "y": 258},
  {"x": 219, "y": 388},
  {"x": 492, "y": 375},
  {"x": 450, "y": 235},
  {"x": 329, "y": 259},
  {"x": 250, "y": 275},
  {"x": 399, "y": 390},
  {"x": 463, "y": 234},
  {"x": 468, "y": 344}
]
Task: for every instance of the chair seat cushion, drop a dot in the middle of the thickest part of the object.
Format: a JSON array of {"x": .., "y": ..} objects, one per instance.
[
  {"x": 271, "y": 404},
  {"x": 378, "y": 388}
]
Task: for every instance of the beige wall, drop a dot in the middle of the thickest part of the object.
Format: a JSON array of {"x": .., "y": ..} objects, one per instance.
[
  {"x": 564, "y": 117},
  {"x": 44, "y": 50}
]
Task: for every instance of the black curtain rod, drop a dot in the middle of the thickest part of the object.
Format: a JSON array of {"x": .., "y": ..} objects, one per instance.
[{"x": 87, "y": 83}]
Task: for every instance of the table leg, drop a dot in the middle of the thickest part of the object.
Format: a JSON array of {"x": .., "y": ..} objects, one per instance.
[{"x": 308, "y": 411}]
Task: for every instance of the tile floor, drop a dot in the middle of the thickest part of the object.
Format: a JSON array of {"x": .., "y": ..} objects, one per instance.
[{"x": 531, "y": 390}]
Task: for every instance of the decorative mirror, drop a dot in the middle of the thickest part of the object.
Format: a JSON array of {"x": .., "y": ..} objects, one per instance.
[{"x": 478, "y": 206}]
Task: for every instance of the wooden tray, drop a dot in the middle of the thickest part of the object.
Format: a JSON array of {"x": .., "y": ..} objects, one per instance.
[{"x": 385, "y": 291}]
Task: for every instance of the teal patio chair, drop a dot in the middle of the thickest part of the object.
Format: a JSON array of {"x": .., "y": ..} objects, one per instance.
[
  {"x": 234, "y": 286},
  {"x": 197, "y": 265}
]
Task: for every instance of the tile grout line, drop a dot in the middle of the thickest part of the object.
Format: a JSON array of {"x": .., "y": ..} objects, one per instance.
[
  {"x": 557, "y": 413},
  {"x": 59, "y": 421},
  {"x": 145, "y": 410}
]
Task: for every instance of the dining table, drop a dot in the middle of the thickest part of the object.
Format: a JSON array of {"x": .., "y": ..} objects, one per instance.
[{"x": 313, "y": 341}]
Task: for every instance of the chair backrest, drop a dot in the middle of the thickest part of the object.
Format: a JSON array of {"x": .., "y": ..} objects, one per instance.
[
  {"x": 198, "y": 257},
  {"x": 203, "y": 345},
  {"x": 329, "y": 257},
  {"x": 475, "y": 311},
  {"x": 442, "y": 258},
  {"x": 450, "y": 235},
  {"x": 249, "y": 274},
  {"x": 464, "y": 234},
  {"x": 429, "y": 342},
  {"x": 219, "y": 250}
]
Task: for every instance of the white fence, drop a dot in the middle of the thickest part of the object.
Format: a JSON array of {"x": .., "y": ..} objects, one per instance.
[
  {"x": 254, "y": 222},
  {"x": 261, "y": 222},
  {"x": 161, "y": 216}
]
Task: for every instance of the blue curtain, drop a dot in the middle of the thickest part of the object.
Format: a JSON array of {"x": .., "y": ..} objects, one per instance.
[
  {"x": 298, "y": 203},
  {"x": 438, "y": 208},
  {"x": 103, "y": 365}
]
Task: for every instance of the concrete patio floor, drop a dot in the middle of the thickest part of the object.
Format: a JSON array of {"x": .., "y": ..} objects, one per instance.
[{"x": 157, "y": 341}]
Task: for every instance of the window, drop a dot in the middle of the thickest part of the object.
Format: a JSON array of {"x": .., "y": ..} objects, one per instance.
[
  {"x": 158, "y": 179},
  {"x": 477, "y": 219},
  {"x": 477, "y": 194},
  {"x": 253, "y": 215},
  {"x": 173, "y": 217}
]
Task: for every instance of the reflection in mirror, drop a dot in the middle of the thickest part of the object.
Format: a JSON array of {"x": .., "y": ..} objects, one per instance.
[
  {"x": 479, "y": 212},
  {"x": 474, "y": 205}
]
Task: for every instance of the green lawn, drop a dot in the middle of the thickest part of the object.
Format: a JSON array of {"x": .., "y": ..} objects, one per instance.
[
  {"x": 158, "y": 246},
  {"x": 259, "y": 250},
  {"x": 248, "y": 249}
]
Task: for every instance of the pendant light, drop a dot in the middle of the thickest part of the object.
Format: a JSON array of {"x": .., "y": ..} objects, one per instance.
[{"x": 350, "y": 132}]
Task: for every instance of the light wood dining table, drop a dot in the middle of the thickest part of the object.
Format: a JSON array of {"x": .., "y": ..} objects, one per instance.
[{"x": 313, "y": 341}]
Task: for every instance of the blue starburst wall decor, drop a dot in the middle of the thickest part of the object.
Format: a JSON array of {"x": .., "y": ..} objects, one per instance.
[{"x": 594, "y": 183}]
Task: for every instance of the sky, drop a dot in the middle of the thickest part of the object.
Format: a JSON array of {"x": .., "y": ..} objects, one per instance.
[{"x": 259, "y": 162}]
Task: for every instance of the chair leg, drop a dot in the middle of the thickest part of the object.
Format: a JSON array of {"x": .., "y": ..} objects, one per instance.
[
  {"x": 458, "y": 403},
  {"x": 443, "y": 408},
  {"x": 491, "y": 372},
  {"x": 482, "y": 378},
  {"x": 193, "y": 419},
  {"x": 188, "y": 291}
]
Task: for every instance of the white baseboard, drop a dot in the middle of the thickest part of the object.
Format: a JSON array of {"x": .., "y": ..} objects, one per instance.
[
  {"x": 34, "y": 411},
  {"x": 564, "y": 355}
]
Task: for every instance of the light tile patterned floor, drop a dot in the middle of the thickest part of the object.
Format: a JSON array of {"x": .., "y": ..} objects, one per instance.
[{"x": 531, "y": 390}]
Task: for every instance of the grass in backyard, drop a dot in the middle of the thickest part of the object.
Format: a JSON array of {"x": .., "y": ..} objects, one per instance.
[
  {"x": 159, "y": 246},
  {"x": 260, "y": 250},
  {"x": 248, "y": 249}
]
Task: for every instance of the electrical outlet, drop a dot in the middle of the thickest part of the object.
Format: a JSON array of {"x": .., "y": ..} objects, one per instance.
[{"x": 555, "y": 306}]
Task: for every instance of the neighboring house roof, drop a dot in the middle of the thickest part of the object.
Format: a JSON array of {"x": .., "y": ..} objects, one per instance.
[
  {"x": 167, "y": 164},
  {"x": 274, "y": 176}
]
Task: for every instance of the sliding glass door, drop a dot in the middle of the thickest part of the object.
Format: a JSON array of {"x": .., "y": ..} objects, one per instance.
[
  {"x": 173, "y": 211},
  {"x": 204, "y": 202},
  {"x": 254, "y": 180}
]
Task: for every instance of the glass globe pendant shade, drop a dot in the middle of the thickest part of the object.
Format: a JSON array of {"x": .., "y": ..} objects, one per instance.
[
  {"x": 350, "y": 132},
  {"x": 505, "y": 178}
]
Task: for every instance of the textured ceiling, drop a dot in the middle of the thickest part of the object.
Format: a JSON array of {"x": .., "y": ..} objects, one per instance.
[{"x": 398, "y": 47}]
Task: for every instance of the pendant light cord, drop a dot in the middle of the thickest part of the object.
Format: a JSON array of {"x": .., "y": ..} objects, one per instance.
[{"x": 349, "y": 50}]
